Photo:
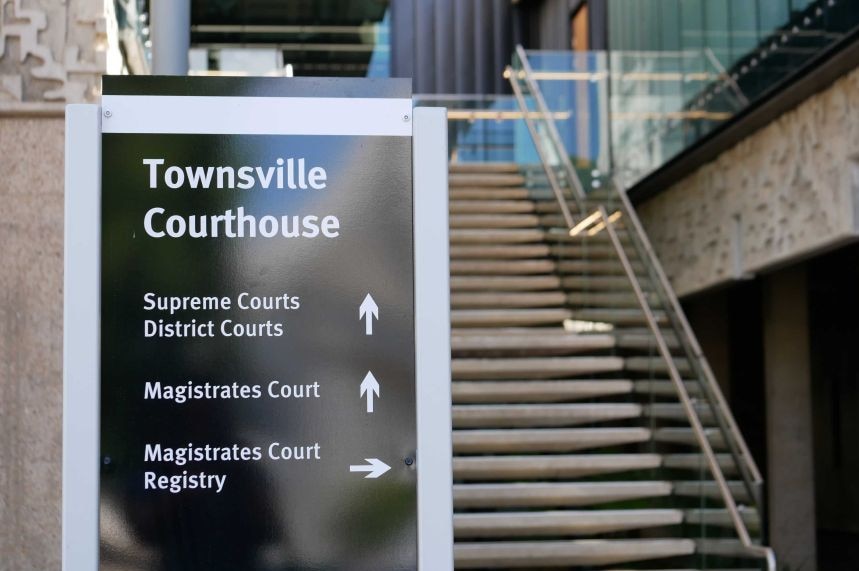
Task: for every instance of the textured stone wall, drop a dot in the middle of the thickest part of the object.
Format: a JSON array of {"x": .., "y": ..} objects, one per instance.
[
  {"x": 54, "y": 50},
  {"x": 785, "y": 191},
  {"x": 31, "y": 324}
]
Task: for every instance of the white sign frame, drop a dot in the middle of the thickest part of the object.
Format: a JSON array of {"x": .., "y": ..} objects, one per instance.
[{"x": 82, "y": 342}]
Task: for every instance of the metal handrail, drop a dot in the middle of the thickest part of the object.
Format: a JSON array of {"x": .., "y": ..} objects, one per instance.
[
  {"x": 578, "y": 188},
  {"x": 749, "y": 546},
  {"x": 748, "y": 468},
  {"x": 651, "y": 259},
  {"x": 686, "y": 403},
  {"x": 550, "y": 173},
  {"x": 697, "y": 352}
]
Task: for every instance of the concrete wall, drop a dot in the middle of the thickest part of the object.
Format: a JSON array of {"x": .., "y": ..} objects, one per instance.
[
  {"x": 31, "y": 323},
  {"x": 785, "y": 191},
  {"x": 790, "y": 430},
  {"x": 52, "y": 52}
]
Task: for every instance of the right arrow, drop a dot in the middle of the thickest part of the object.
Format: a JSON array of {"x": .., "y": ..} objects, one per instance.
[
  {"x": 374, "y": 469},
  {"x": 370, "y": 387},
  {"x": 368, "y": 309}
]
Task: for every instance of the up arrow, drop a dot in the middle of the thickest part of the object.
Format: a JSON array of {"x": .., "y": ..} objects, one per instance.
[
  {"x": 370, "y": 386},
  {"x": 374, "y": 469},
  {"x": 368, "y": 309}
]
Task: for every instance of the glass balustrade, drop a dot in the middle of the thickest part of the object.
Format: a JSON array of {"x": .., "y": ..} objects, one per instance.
[
  {"x": 484, "y": 128},
  {"x": 672, "y": 80},
  {"x": 613, "y": 284}
]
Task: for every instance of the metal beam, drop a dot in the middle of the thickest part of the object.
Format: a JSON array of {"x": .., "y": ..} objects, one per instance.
[{"x": 171, "y": 36}]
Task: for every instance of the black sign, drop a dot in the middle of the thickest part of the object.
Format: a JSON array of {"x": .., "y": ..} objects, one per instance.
[{"x": 257, "y": 326}]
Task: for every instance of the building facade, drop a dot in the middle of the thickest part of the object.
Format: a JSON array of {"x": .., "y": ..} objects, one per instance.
[
  {"x": 733, "y": 123},
  {"x": 754, "y": 222},
  {"x": 735, "y": 131}
]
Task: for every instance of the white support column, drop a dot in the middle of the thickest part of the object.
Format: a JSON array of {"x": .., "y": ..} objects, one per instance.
[
  {"x": 81, "y": 341},
  {"x": 432, "y": 341},
  {"x": 170, "y": 24}
]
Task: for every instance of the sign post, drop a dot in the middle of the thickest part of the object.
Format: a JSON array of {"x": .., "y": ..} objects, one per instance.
[{"x": 257, "y": 356}]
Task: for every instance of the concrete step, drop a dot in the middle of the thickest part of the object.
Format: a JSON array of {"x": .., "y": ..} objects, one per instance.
[
  {"x": 657, "y": 366},
  {"x": 665, "y": 388},
  {"x": 485, "y": 179},
  {"x": 507, "y": 317},
  {"x": 722, "y": 518},
  {"x": 555, "y": 222},
  {"x": 460, "y": 206},
  {"x": 487, "y": 392},
  {"x": 595, "y": 266},
  {"x": 493, "y": 221},
  {"x": 554, "y": 494},
  {"x": 676, "y": 413},
  {"x": 710, "y": 489},
  {"x": 507, "y": 300},
  {"x": 644, "y": 340},
  {"x": 578, "y": 251},
  {"x": 547, "y": 203},
  {"x": 504, "y": 283},
  {"x": 543, "y": 439},
  {"x": 499, "y": 252},
  {"x": 722, "y": 547},
  {"x": 530, "y": 467},
  {"x": 490, "y": 193},
  {"x": 687, "y": 436},
  {"x": 534, "y": 554},
  {"x": 540, "y": 415},
  {"x": 554, "y": 340},
  {"x": 608, "y": 300},
  {"x": 596, "y": 283},
  {"x": 496, "y": 236},
  {"x": 464, "y": 369},
  {"x": 501, "y": 267},
  {"x": 482, "y": 168},
  {"x": 697, "y": 462},
  {"x": 562, "y": 236},
  {"x": 560, "y": 523},
  {"x": 618, "y": 317}
]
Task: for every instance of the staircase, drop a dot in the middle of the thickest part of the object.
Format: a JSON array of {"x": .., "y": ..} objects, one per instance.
[{"x": 572, "y": 446}]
